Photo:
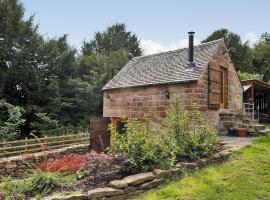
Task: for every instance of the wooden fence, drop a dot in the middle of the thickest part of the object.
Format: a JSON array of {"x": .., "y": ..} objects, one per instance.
[{"x": 19, "y": 147}]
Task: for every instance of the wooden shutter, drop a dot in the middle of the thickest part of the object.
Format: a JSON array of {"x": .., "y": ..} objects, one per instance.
[
  {"x": 225, "y": 70},
  {"x": 213, "y": 88}
]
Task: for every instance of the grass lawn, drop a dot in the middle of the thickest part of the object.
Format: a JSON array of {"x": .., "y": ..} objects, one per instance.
[{"x": 246, "y": 176}]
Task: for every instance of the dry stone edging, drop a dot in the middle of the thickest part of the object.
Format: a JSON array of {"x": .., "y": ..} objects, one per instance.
[
  {"x": 134, "y": 185},
  {"x": 68, "y": 197}
]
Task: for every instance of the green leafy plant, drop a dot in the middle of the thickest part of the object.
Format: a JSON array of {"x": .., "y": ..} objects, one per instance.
[
  {"x": 145, "y": 147},
  {"x": 245, "y": 76},
  {"x": 10, "y": 120},
  {"x": 44, "y": 183},
  {"x": 194, "y": 136},
  {"x": 12, "y": 189}
]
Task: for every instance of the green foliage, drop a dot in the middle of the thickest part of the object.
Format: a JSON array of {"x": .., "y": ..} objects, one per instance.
[
  {"x": 245, "y": 76},
  {"x": 44, "y": 183},
  {"x": 43, "y": 125},
  {"x": 13, "y": 189},
  {"x": 194, "y": 137},
  {"x": 48, "y": 76},
  {"x": 114, "y": 38},
  {"x": 146, "y": 148},
  {"x": 97, "y": 70},
  {"x": 261, "y": 56},
  {"x": 10, "y": 120}
]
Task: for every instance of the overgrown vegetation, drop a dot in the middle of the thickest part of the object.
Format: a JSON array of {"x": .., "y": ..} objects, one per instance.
[
  {"x": 146, "y": 148},
  {"x": 245, "y": 177},
  {"x": 194, "y": 137},
  {"x": 186, "y": 136}
]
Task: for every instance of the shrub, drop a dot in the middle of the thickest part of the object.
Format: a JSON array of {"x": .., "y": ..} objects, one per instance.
[
  {"x": 44, "y": 183},
  {"x": 68, "y": 164},
  {"x": 145, "y": 148},
  {"x": 12, "y": 189},
  {"x": 194, "y": 136}
]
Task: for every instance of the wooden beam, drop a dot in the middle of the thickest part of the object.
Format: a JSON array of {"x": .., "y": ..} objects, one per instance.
[
  {"x": 252, "y": 92},
  {"x": 268, "y": 104}
]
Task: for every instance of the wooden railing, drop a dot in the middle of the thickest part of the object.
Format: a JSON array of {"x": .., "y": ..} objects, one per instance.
[{"x": 19, "y": 147}]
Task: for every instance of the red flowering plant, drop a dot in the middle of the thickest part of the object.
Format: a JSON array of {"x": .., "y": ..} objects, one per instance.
[
  {"x": 2, "y": 195},
  {"x": 67, "y": 164},
  {"x": 93, "y": 162}
]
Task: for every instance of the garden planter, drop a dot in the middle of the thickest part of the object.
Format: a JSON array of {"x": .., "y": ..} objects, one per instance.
[
  {"x": 232, "y": 131},
  {"x": 242, "y": 132}
]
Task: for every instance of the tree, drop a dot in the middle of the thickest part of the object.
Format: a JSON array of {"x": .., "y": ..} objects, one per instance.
[
  {"x": 103, "y": 57},
  {"x": 10, "y": 121},
  {"x": 243, "y": 59},
  {"x": 97, "y": 70},
  {"x": 261, "y": 57},
  {"x": 245, "y": 76},
  {"x": 114, "y": 38}
]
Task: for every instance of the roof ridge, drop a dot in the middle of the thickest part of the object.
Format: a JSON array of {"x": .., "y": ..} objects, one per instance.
[{"x": 170, "y": 51}]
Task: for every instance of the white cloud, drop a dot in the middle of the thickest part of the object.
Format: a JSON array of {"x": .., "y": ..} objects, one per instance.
[
  {"x": 152, "y": 47},
  {"x": 251, "y": 37}
]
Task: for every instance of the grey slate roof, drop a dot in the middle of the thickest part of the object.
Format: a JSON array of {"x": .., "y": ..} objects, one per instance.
[{"x": 164, "y": 68}]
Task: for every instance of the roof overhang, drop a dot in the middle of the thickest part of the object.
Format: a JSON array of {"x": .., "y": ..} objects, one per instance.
[{"x": 154, "y": 84}]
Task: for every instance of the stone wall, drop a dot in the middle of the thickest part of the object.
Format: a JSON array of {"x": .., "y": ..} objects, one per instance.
[
  {"x": 16, "y": 166},
  {"x": 235, "y": 89},
  {"x": 151, "y": 100}
]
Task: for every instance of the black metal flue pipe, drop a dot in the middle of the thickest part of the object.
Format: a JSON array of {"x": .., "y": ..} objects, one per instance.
[{"x": 190, "y": 47}]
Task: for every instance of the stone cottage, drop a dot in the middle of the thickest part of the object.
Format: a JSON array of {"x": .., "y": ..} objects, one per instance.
[{"x": 202, "y": 74}]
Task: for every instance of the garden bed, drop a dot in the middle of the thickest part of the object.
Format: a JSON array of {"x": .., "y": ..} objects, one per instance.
[{"x": 133, "y": 185}]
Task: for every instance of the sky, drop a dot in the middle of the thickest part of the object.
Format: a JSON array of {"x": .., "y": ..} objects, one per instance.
[{"x": 161, "y": 25}]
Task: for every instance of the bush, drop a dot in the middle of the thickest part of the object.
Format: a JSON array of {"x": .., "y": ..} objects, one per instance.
[
  {"x": 194, "y": 136},
  {"x": 12, "y": 189},
  {"x": 145, "y": 148},
  {"x": 44, "y": 183}
]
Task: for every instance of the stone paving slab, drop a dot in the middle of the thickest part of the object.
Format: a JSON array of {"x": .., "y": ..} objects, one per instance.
[{"x": 235, "y": 143}]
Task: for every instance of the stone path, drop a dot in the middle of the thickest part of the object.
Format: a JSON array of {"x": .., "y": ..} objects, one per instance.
[{"x": 235, "y": 143}]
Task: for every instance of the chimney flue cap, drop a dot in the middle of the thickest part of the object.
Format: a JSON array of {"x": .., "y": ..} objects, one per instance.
[{"x": 191, "y": 32}]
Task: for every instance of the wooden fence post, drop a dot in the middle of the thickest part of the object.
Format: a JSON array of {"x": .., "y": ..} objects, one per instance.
[
  {"x": 25, "y": 143},
  {"x": 45, "y": 143},
  {"x": 4, "y": 147}
]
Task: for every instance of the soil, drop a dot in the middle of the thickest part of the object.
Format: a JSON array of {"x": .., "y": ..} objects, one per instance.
[{"x": 100, "y": 179}]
